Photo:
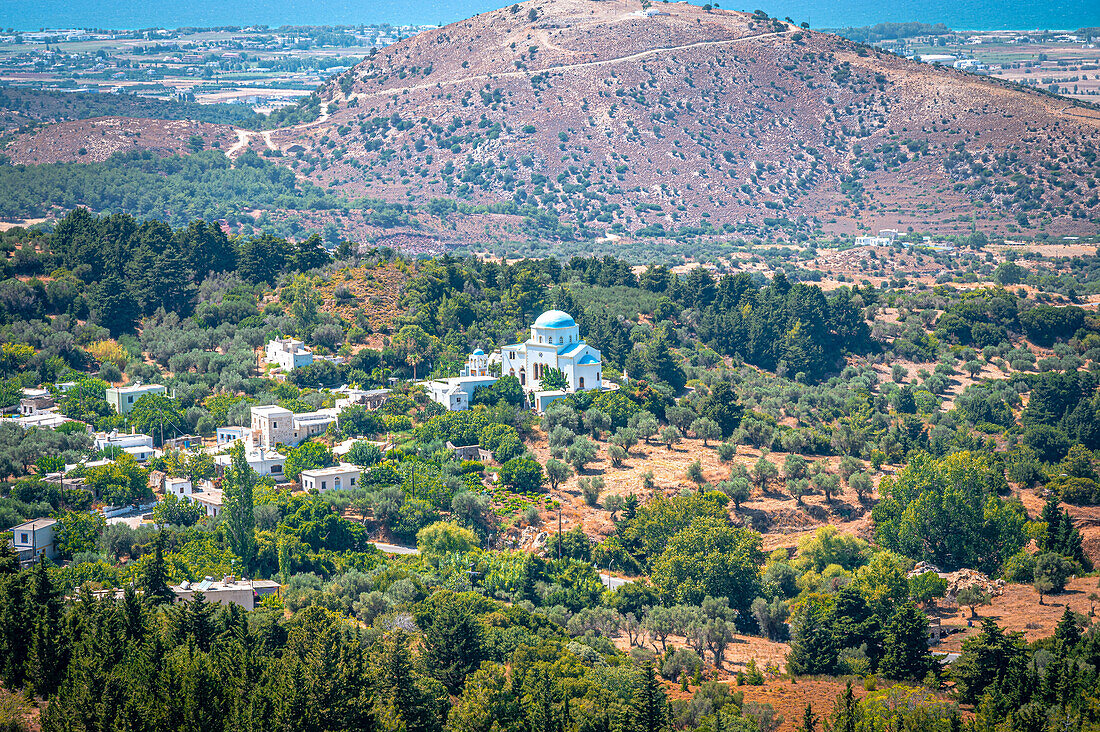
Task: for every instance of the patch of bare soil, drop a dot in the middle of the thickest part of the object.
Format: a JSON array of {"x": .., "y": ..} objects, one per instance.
[
  {"x": 1017, "y": 609},
  {"x": 780, "y": 518}
]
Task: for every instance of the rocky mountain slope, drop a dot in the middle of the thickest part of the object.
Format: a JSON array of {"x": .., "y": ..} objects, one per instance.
[{"x": 680, "y": 119}]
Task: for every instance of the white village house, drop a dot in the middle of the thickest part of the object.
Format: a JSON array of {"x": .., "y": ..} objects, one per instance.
[
  {"x": 34, "y": 539},
  {"x": 337, "y": 477},
  {"x": 138, "y": 445},
  {"x": 264, "y": 460},
  {"x": 288, "y": 353},
  {"x": 455, "y": 393},
  {"x": 273, "y": 425},
  {"x": 123, "y": 398}
]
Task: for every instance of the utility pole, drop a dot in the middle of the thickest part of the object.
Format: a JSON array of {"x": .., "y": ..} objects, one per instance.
[{"x": 559, "y": 531}]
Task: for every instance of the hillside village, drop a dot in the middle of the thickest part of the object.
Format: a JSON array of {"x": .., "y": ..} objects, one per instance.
[{"x": 590, "y": 441}]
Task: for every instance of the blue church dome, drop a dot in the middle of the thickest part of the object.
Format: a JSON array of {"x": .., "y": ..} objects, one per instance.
[{"x": 555, "y": 319}]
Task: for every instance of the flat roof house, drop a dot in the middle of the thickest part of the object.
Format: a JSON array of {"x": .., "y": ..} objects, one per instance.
[
  {"x": 123, "y": 398},
  {"x": 48, "y": 420},
  {"x": 210, "y": 498},
  {"x": 275, "y": 425},
  {"x": 138, "y": 445},
  {"x": 34, "y": 404},
  {"x": 263, "y": 460},
  {"x": 228, "y": 591},
  {"x": 456, "y": 393},
  {"x": 34, "y": 539},
  {"x": 288, "y": 353},
  {"x": 335, "y": 478}
]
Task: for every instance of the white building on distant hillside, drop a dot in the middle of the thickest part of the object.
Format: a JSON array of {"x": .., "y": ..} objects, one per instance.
[
  {"x": 337, "y": 477},
  {"x": 123, "y": 398},
  {"x": 456, "y": 393},
  {"x": 138, "y": 445},
  {"x": 264, "y": 460},
  {"x": 556, "y": 343},
  {"x": 288, "y": 353}
]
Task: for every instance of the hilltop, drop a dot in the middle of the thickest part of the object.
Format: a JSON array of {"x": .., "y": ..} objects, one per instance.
[{"x": 616, "y": 121}]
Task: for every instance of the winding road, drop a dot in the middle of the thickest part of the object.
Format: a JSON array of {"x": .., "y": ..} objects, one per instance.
[
  {"x": 565, "y": 67},
  {"x": 244, "y": 137}
]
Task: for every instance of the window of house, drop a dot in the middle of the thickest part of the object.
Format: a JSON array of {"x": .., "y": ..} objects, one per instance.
[
  {"x": 353, "y": 481},
  {"x": 277, "y": 469},
  {"x": 130, "y": 399},
  {"x": 323, "y": 483},
  {"x": 274, "y": 425},
  {"x": 23, "y": 538}
]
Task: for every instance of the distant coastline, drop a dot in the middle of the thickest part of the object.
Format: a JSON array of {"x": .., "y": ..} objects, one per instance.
[{"x": 118, "y": 15}]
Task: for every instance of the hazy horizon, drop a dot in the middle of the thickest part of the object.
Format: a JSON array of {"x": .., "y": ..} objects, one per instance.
[{"x": 119, "y": 15}]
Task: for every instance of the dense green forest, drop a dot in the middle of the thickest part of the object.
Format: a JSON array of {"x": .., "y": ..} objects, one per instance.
[
  {"x": 202, "y": 185},
  {"x": 772, "y": 381}
]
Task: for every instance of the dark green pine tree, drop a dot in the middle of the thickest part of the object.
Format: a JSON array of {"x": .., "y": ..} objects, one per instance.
[
  {"x": 209, "y": 249},
  {"x": 47, "y": 655},
  {"x": 452, "y": 639},
  {"x": 402, "y": 701},
  {"x": 649, "y": 702},
  {"x": 1068, "y": 631},
  {"x": 154, "y": 576},
  {"x": 143, "y": 277},
  {"x": 846, "y": 712},
  {"x": 659, "y": 361},
  {"x": 906, "y": 655},
  {"x": 113, "y": 306},
  {"x": 16, "y": 623},
  {"x": 1051, "y": 515},
  {"x": 175, "y": 289},
  {"x": 261, "y": 259},
  {"x": 133, "y": 615},
  {"x": 310, "y": 254},
  {"x": 9, "y": 560},
  {"x": 1069, "y": 542},
  {"x": 814, "y": 645}
]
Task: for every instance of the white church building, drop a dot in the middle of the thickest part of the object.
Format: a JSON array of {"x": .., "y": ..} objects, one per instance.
[{"x": 555, "y": 342}]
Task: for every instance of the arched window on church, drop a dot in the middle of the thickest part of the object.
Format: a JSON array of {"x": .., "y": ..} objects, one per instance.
[
  {"x": 560, "y": 340},
  {"x": 581, "y": 382}
]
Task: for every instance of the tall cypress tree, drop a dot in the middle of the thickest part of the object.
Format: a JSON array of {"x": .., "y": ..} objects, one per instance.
[
  {"x": 15, "y": 628},
  {"x": 46, "y": 658},
  {"x": 238, "y": 484},
  {"x": 906, "y": 649},
  {"x": 650, "y": 705},
  {"x": 154, "y": 576}
]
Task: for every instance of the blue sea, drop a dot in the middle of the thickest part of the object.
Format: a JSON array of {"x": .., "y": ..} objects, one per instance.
[{"x": 129, "y": 14}]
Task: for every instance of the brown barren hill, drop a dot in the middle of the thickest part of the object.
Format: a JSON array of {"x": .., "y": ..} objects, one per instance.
[
  {"x": 587, "y": 115},
  {"x": 96, "y": 139}
]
